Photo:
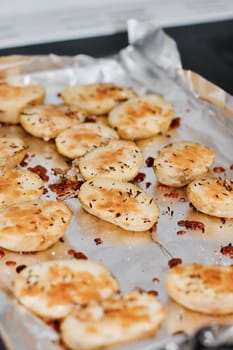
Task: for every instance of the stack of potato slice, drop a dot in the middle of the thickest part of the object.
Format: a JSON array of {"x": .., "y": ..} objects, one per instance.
[
  {"x": 108, "y": 163},
  {"x": 26, "y": 223},
  {"x": 98, "y": 127},
  {"x": 84, "y": 296}
]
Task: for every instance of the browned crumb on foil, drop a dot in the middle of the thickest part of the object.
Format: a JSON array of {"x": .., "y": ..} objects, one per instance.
[
  {"x": 65, "y": 188},
  {"x": 174, "y": 262},
  {"x": 193, "y": 225},
  {"x": 227, "y": 250}
]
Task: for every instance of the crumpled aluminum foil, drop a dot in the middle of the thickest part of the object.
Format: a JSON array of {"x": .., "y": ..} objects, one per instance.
[{"x": 150, "y": 64}]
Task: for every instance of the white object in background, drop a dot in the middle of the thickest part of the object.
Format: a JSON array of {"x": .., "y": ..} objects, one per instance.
[{"x": 27, "y": 22}]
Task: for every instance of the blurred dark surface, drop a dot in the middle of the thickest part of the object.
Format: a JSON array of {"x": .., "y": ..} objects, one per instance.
[
  {"x": 2, "y": 345},
  {"x": 205, "y": 48},
  {"x": 208, "y": 50}
]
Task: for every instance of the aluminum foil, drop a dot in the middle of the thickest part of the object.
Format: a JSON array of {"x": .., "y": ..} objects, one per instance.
[{"x": 150, "y": 64}]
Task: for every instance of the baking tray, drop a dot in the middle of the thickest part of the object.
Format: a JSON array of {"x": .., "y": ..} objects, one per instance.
[{"x": 150, "y": 64}]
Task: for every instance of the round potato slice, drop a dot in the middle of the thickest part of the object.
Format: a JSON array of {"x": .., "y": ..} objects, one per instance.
[
  {"x": 52, "y": 289},
  {"x": 12, "y": 151},
  {"x": 48, "y": 121},
  {"x": 141, "y": 117},
  {"x": 33, "y": 226},
  {"x": 120, "y": 203},
  {"x": 118, "y": 321},
  {"x": 79, "y": 140},
  {"x": 202, "y": 288},
  {"x": 118, "y": 160},
  {"x": 181, "y": 162},
  {"x": 212, "y": 196},
  {"x": 96, "y": 98},
  {"x": 18, "y": 186},
  {"x": 13, "y": 99}
]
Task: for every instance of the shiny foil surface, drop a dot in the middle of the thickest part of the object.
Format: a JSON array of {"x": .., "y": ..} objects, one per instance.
[{"x": 150, "y": 64}]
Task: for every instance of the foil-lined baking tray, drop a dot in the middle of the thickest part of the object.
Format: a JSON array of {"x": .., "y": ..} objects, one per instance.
[{"x": 150, "y": 64}]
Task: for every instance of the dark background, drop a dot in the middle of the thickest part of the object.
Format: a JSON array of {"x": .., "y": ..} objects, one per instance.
[{"x": 205, "y": 48}]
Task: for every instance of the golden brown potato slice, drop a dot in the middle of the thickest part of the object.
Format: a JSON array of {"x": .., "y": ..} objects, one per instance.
[
  {"x": 118, "y": 321},
  {"x": 120, "y": 160},
  {"x": 52, "y": 289},
  {"x": 212, "y": 196},
  {"x": 18, "y": 186},
  {"x": 33, "y": 226},
  {"x": 96, "y": 98},
  {"x": 48, "y": 121},
  {"x": 13, "y": 99},
  {"x": 120, "y": 203},
  {"x": 141, "y": 117},
  {"x": 79, "y": 140},
  {"x": 179, "y": 163},
  {"x": 12, "y": 151},
  {"x": 202, "y": 288}
]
